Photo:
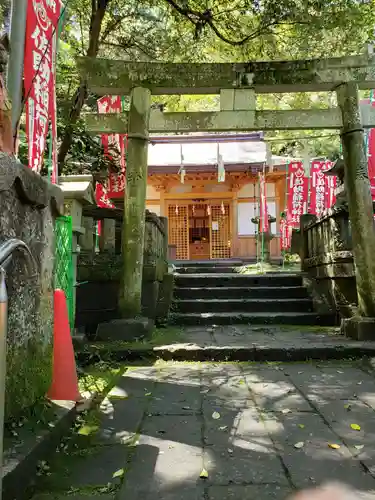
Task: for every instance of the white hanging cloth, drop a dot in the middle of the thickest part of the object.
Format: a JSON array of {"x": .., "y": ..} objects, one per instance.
[
  {"x": 220, "y": 166},
  {"x": 182, "y": 170}
]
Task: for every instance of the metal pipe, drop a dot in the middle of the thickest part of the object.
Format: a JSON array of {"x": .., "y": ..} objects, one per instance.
[
  {"x": 3, "y": 349},
  {"x": 16, "y": 59},
  {"x": 9, "y": 246}
]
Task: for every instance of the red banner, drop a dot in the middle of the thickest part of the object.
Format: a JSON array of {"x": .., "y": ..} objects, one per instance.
[
  {"x": 371, "y": 154},
  {"x": 263, "y": 212},
  {"x": 42, "y": 20},
  {"x": 322, "y": 192},
  {"x": 116, "y": 181},
  {"x": 101, "y": 196},
  {"x": 331, "y": 184},
  {"x": 285, "y": 235},
  {"x": 318, "y": 188},
  {"x": 297, "y": 193}
]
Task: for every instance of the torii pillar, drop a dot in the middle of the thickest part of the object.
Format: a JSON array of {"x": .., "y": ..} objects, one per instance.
[
  {"x": 132, "y": 325},
  {"x": 357, "y": 187},
  {"x": 133, "y": 229}
]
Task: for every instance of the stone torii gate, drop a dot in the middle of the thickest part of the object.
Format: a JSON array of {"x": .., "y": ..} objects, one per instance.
[{"x": 238, "y": 84}]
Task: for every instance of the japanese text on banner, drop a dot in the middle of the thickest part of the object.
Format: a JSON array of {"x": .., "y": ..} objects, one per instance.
[
  {"x": 263, "y": 212},
  {"x": 297, "y": 193},
  {"x": 323, "y": 187},
  {"x": 318, "y": 188},
  {"x": 42, "y": 20},
  {"x": 285, "y": 234},
  {"x": 116, "y": 181}
]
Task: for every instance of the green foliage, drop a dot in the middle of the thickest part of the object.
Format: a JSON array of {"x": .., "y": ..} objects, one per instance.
[{"x": 197, "y": 30}]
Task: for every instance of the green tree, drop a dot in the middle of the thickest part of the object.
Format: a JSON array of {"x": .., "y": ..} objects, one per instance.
[{"x": 199, "y": 30}]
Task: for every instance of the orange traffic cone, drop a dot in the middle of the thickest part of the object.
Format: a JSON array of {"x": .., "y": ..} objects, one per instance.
[{"x": 64, "y": 377}]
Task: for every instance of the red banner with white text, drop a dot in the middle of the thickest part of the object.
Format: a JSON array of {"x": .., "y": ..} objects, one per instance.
[
  {"x": 285, "y": 235},
  {"x": 39, "y": 77},
  {"x": 263, "y": 211},
  {"x": 371, "y": 153},
  {"x": 322, "y": 189},
  {"x": 317, "y": 188},
  {"x": 297, "y": 193},
  {"x": 114, "y": 143}
]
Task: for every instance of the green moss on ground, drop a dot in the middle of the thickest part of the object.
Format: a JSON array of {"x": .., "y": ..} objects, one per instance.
[
  {"x": 258, "y": 268},
  {"x": 159, "y": 337}
]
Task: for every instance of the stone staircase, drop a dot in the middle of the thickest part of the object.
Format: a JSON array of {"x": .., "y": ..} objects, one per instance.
[{"x": 215, "y": 294}]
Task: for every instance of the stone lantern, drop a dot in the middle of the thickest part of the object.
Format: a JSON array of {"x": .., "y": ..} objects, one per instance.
[{"x": 264, "y": 237}]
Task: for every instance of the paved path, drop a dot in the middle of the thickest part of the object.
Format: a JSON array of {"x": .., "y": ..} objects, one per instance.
[{"x": 256, "y": 430}]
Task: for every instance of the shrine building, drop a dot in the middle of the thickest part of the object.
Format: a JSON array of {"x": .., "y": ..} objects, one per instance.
[{"x": 209, "y": 219}]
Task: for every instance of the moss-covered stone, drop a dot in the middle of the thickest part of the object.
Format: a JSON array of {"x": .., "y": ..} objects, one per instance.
[{"x": 29, "y": 205}]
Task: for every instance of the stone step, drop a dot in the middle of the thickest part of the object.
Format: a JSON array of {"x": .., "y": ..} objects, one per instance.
[
  {"x": 237, "y": 280},
  {"x": 210, "y": 263},
  {"x": 241, "y": 292},
  {"x": 226, "y": 318},
  {"x": 244, "y": 305},
  {"x": 207, "y": 270}
]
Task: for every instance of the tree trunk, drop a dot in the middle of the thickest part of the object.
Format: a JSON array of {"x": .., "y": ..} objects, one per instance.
[{"x": 97, "y": 14}]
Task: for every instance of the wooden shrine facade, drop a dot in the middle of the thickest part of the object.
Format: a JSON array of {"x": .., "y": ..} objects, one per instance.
[{"x": 209, "y": 219}]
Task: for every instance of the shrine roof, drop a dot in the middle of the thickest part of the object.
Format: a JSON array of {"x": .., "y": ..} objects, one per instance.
[{"x": 202, "y": 150}]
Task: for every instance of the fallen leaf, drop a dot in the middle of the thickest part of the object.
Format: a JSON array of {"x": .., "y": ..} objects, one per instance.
[
  {"x": 300, "y": 373},
  {"x": 286, "y": 410},
  {"x": 118, "y": 473},
  {"x": 86, "y": 430},
  {"x": 359, "y": 383},
  {"x": 339, "y": 371},
  {"x": 203, "y": 474},
  {"x": 359, "y": 446},
  {"x": 230, "y": 450},
  {"x": 216, "y": 415},
  {"x": 301, "y": 426},
  {"x": 299, "y": 445},
  {"x": 223, "y": 428},
  {"x": 241, "y": 382},
  {"x": 347, "y": 407},
  {"x": 355, "y": 427},
  {"x": 334, "y": 446},
  {"x": 148, "y": 394}
]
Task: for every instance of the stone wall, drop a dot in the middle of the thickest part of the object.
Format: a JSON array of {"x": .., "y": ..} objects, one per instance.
[
  {"x": 29, "y": 205},
  {"x": 325, "y": 248},
  {"x": 99, "y": 270}
]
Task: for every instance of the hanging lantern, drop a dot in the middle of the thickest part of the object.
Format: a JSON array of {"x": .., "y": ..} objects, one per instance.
[
  {"x": 193, "y": 209},
  {"x": 208, "y": 210},
  {"x": 176, "y": 210},
  {"x": 222, "y": 208}
]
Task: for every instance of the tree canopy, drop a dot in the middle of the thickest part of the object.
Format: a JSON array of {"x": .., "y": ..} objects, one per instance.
[{"x": 204, "y": 31}]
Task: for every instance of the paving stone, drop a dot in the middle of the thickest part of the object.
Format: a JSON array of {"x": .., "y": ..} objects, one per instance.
[
  {"x": 135, "y": 383},
  {"x": 242, "y": 466},
  {"x": 93, "y": 467},
  {"x": 278, "y": 396},
  {"x": 170, "y": 398},
  {"x": 185, "y": 429},
  {"x": 180, "y": 374},
  {"x": 60, "y": 496},
  {"x": 164, "y": 469},
  {"x": 336, "y": 383},
  {"x": 315, "y": 461},
  {"x": 238, "y": 492},
  {"x": 120, "y": 419}
]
